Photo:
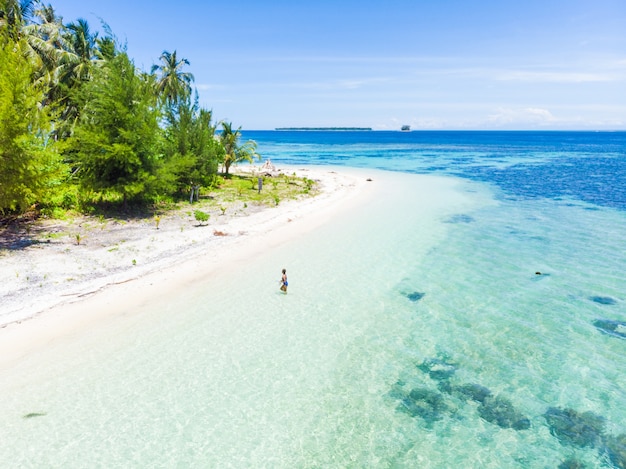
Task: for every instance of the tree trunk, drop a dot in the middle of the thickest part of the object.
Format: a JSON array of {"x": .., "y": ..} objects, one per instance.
[{"x": 196, "y": 190}]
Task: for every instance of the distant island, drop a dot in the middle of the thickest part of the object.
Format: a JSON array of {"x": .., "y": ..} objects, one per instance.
[{"x": 338, "y": 129}]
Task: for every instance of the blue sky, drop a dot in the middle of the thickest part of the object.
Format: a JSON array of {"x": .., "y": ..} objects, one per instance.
[{"x": 431, "y": 64}]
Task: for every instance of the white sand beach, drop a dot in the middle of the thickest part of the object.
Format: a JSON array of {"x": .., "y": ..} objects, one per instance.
[{"x": 53, "y": 288}]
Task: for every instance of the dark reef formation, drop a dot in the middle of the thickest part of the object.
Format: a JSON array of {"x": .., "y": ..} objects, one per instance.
[
  {"x": 615, "y": 449},
  {"x": 432, "y": 406},
  {"x": 603, "y": 300},
  {"x": 425, "y": 403},
  {"x": 611, "y": 327},
  {"x": 570, "y": 427},
  {"x": 501, "y": 412},
  {"x": 439, "y": 368},
  {"x": 415, "y": 296},
  {"x": 571, "y": 464},
  {"x": 574, "y": 428},
  {"x": 474, "y": 392}
]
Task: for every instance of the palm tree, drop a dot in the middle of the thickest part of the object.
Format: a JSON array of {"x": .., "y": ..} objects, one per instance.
[
  {"x": 107, "y": 48},
  {"x": 31, "y": 28},
  {"x": 82, "y": 43},
  {"x": 14, "y": 14},
  {"x": 39, "y": 34},
  {"x": 234, "y": 152},
  {"x": 46, "y": 45},
  {"x": 79, "y": 54},
  {"x": 172, "y": 83}
]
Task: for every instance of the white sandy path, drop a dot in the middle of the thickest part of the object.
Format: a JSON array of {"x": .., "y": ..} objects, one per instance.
[{"x": 49, "y": 290}]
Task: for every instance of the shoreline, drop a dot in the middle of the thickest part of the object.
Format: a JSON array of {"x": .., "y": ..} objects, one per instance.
[{"x": 31, "y": 319}]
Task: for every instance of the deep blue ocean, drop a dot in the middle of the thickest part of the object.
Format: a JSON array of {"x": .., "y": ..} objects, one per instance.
[
  {"x": 584, "y": 166},
  {"x": 468, "y": 312}
]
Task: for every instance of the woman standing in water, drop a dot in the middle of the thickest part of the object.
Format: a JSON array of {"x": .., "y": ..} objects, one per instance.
[{"x": 283, "y": 281}]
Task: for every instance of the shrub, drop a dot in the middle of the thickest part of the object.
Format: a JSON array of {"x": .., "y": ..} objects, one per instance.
[{"x": 201, "y": 216}]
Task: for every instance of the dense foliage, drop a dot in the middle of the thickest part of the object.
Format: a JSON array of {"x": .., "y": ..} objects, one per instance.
[
  {"x": 114, "y": 144},
  {"x": 81, "y": 125}
]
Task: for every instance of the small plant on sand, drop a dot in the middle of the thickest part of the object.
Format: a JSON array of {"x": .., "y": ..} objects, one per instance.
[
  {"x": 223, "y": 209},
  {"x": 276, "y": 199},
  {"x": 157, "y": 220},
  {"x": 201, "y": 217},
  {"x": 134, "y": 261},
  {"x": 309, "y": 184},
  {"x": 78, "y": 238}
]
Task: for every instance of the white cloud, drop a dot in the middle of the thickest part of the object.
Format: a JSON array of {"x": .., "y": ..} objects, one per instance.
[
  {"x": 556, "y": 77},
  {"x": 537, "y": 114},
  {"x": 534, "y": 117}
]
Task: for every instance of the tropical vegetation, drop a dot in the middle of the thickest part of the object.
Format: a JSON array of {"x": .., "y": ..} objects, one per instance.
[{"x": 82, "y": 126}]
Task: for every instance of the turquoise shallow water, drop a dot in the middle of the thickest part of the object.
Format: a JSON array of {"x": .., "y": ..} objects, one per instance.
[{"x": 414, "y": 335}]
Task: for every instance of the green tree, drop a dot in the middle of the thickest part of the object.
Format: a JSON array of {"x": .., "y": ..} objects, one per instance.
[
  {"x": 114, "y": 145},
  {"x": 83, "y": 52},
  {"x": 49, "y": 50},
  {"x": 82, "y": 43},
  {"x": 14, "y": 15},
  {"x": 107, "y": 48},
  {"x": 28, "y": 162},
  {"x": 207, "y": 150},
  {"x": 43, "y": 37},
  {"x": 192, "y": 153},
  {"x": 172, "y": 84},
  {"x": 34, "y": 30},
  {"x": 234, "y": 150}
]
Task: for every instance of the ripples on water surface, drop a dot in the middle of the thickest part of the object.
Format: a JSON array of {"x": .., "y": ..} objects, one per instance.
[{"x": 481, "y": 328}]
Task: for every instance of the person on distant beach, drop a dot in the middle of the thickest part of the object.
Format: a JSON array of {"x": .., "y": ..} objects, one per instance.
[
  {"x": 283, "y": 281},
  {"x": 268, "y": 166}
]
